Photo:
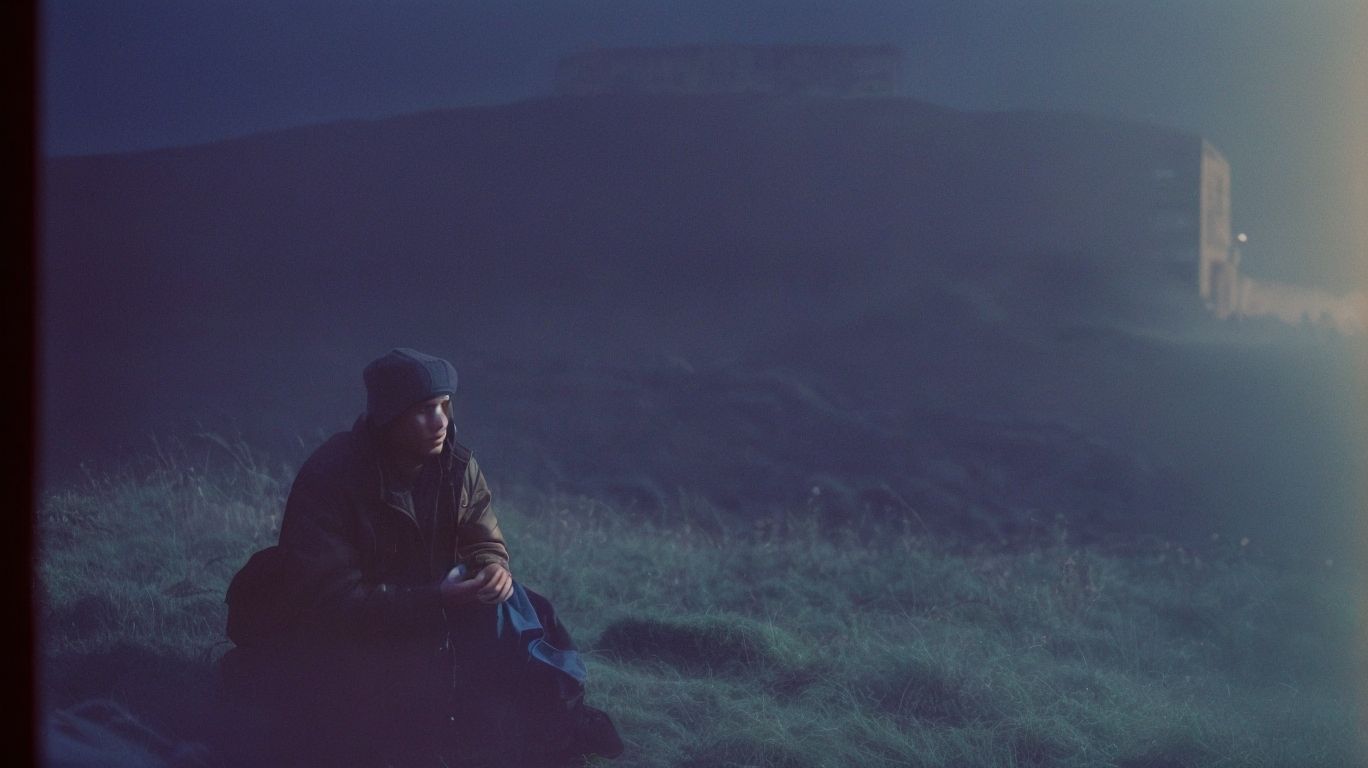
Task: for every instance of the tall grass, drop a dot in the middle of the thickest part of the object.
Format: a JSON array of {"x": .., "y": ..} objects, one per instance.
[{"x": 777, "y": 640}]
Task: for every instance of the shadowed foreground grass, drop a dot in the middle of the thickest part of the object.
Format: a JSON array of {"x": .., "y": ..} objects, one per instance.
[{"x": 796, "y": 640}]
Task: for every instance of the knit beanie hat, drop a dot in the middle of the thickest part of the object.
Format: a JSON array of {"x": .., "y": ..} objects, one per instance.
[{"x": 402, "y": 378}]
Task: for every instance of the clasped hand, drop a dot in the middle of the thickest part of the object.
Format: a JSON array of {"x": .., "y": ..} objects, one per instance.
[{"x": 491, "y": 586}]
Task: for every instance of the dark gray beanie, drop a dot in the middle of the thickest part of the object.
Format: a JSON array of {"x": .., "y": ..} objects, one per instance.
[{"x": 402, "y": 378}]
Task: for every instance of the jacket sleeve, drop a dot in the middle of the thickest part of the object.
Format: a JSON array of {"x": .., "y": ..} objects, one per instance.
[
  {"x": 319, "y": 536},
  {"x": 479, "y": 540}
]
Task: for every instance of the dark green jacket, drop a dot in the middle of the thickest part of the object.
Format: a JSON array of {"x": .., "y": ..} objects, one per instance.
[{"x": 356, "y": 549}]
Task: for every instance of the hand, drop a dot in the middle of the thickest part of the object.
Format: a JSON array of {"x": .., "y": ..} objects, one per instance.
[
  {"x": 497, "y": 584},
  {"x": 457, "y": 590}
]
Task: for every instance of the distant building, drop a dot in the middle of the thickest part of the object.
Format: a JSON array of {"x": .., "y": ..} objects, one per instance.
[
  {"x": 808, "y": 70},
  {"x": 1223, "y": 289},
  {"x": 1217, "y": 262},
  {"x": 1190, "y": 224}
]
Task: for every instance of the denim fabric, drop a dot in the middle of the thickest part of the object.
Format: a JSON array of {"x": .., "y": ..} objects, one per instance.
[{"x": 517, "y": 618}]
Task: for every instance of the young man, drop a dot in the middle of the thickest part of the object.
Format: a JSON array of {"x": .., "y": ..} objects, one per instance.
[{"x": 386, "y": 627}]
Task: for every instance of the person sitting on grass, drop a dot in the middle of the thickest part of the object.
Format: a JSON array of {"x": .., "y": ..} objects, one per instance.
[{"x": 385, "y": 627}]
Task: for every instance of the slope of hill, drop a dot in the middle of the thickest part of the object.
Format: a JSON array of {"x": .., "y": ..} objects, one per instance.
[{"x": 837, "y": 274}]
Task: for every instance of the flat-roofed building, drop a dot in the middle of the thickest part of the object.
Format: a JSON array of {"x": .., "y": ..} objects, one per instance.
[{"x": 814, "y": 70}]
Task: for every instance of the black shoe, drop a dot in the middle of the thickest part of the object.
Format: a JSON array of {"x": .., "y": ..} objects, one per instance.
[{"x": 595, "y": 734}]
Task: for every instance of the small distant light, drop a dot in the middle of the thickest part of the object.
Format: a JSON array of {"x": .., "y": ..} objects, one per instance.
[{"x": 1242, "y": 237}]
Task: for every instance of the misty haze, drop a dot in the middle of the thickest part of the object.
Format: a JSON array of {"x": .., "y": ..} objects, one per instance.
[{"x": 844, "y": 426}]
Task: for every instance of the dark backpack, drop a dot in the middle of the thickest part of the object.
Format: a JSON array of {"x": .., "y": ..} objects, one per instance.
[{"x": 264, "y": 598}]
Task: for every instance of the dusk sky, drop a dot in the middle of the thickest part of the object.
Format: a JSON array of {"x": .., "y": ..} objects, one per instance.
[{"x": 1271, "y": 82}]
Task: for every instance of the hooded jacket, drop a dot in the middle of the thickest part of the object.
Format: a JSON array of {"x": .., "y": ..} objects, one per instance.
[{"x": 357, "y": 552}]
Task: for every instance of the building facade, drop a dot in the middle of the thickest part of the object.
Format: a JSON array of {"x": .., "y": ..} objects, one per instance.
[{"x": 807, "y": 70}]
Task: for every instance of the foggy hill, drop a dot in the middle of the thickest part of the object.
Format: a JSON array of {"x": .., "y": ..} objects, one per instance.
[{"x": 746, "y": 295}]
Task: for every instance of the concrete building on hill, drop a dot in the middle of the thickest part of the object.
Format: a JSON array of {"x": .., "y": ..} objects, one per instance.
[
  {"x": 1191, "y": 223},
  {"x": 809, "y": 70},
  {"x": 1217, "y": 262},
  {"x": 1223, "y": 289}
]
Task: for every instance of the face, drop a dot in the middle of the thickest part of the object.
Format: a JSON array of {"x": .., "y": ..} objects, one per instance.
[{"x": 420, "y": 431}]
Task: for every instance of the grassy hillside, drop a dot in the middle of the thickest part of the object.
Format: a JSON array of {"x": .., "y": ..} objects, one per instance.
[
  {"x": 810, "y": 638},
  {"x": 199, "y": 282},
  {"x": 907, "y": 306}
]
